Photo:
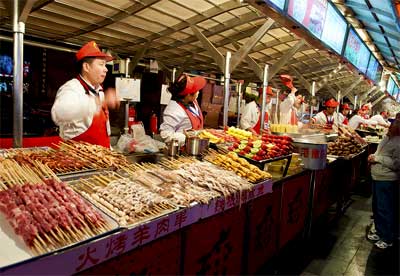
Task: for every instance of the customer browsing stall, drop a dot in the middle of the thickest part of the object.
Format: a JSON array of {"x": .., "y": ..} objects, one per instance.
[
  {"x": 251, "y": 116},
  {"x": 81, "y": 107},
  {"x": 183, "y": 112},
  {"x": 385, "y": 172}
]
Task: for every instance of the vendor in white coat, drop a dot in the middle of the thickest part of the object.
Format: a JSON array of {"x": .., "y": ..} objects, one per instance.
[
  {"x": 251, "y": 116},
  {"x": 182, "y": 112},
  {"x": 358, "y": 119},
  {"x": 381, "y": 119},
  {"x": 81, "y": 107},
  {"x": 289, "y": 107},
  {"x": 328, "y": 117}
]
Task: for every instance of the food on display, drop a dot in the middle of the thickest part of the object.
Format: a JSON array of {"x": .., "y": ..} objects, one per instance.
[
  {"x": 238, "y": 165},
  {"x": 268, "y": 147},
  {"x": 284, "y": 128},
  {"x": 372, "y": 139},
  {"x": 345, "y": 131},
  {"x": 46, "y": 214},
  {"x": 239, "y": 133},
  {"x": 126, "y": 200},
  {"x": 205, "y": 134},
  {"x": 344, "y": 146}
]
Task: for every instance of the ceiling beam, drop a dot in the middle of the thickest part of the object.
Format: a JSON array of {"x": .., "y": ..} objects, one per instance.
[
  {"x": 330, "y": 76},
  {"x": 379, "y": 100},
  {"x": 258, "y": 71},
  {"x": 305, "y": 83},
  {"x": 26, "y": 10},
  {"x": 215, "y": 54},
  {"x": 238, "y": 56},
  {"x": 348, "y": 90},
  {"x": 284, "y": 59}
]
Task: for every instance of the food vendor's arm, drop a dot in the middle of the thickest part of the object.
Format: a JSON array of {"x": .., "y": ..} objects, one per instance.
[{"x": 247, "y": 118}]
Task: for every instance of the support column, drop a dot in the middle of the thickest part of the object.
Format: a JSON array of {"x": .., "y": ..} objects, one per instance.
[
  {"x": 227, "y": 75},
  {"x": 264, "y": 94},
  {"x": 19, "y": 30},
  {"x": 239, "y": 102}
]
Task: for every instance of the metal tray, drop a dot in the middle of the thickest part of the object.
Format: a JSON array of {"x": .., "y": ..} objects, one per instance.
[
  {"x": 348, "y": 157},
  {"x": 75, "y": 179},
  {"x": 5, "y": 152},
  {"x": 265, "y": 161},
  {"x": 15, "y": 251}
]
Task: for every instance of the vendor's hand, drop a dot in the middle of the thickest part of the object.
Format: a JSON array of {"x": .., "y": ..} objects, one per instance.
[
  {"x": 371, "y": 158},
  {"x": 293, "y": 90},
  {"x": 111, "y": 98}
]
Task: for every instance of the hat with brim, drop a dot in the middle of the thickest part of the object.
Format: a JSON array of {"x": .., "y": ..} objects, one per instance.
[
  {"x": 91, "y": 49},
  {"x": 193, "y": 84},
  {"x": 331, "y": 103},
  {"x": 346, "y": 106},
  {"x": 287, "y": 80},
  {"x": 269, "y": 91}
]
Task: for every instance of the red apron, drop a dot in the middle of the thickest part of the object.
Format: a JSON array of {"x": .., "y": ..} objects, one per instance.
[
  {"x": 97, "y": 132},
  {"x": 329, "y": 123},
  {"x": 195, "y": 120},
  {"x": 258, "y": 124},
  {"x": 293, "y": 117},
  {"x": 346, "y": 121}
]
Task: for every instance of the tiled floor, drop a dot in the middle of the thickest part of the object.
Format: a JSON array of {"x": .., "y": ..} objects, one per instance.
[{"x": 338, "y": 248}]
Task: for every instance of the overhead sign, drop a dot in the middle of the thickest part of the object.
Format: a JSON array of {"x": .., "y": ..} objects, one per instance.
[
  {"x": 334, "y": 31},
  {"x": 356, "y": 52}
]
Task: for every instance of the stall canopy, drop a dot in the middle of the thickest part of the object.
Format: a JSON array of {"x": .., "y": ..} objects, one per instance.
[{"x": 165, "y": 30}]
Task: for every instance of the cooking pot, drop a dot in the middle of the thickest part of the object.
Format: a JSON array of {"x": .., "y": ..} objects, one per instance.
[{"x": 196, "y": 145}]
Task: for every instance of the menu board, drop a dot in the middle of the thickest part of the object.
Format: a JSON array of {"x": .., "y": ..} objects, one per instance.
[
  {"x": 372, "y": 71},
  {"x": 310, "y": 13},
  {"x": 390, "y": 86},
  {"x": 334, "y": 30},
  {"x": 279, "y": 3},
  {"x": 356, "y": 52}
]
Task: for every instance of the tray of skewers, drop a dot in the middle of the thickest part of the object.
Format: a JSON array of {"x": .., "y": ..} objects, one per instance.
[{"x": 39, "y": 214}]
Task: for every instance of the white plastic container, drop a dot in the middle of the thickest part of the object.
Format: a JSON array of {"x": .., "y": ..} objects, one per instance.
[{"x": 312, "y": 154}]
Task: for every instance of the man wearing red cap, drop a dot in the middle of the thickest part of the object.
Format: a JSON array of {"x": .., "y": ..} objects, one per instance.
[
  {"x": 381, "y": 119},
  {"x": 251, "y": 117},
  {"x": 81, "y": 107},
  {"x": 327, "y": 117},
  {"x": 342, "y": 116},
  {"x": 183, "y": 112}
]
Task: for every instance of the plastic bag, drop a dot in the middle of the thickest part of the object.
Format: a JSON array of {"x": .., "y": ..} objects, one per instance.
[
  {"x": 123, "y": 143},
  {"x": 144, "y": 144}
]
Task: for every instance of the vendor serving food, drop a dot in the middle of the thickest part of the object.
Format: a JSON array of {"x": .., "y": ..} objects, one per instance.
[
  {"x": 251, "y": 116},
  {"x": 81, "y": 107},
  {"x": 183, "y": 112},
  {"x": 327, "y": 117}
]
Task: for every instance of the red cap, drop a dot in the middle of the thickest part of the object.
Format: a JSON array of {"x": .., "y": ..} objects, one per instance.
[
  {"x": 91, "y": 49},
  {"x": 287, "y": 80},
  {"x": 364, "y": 107},
  {"x": 269, "y": 90},
  {"x": 384, "y": 113},
  {"x": 193, "y": 84},
  {"x": 331, "y": 103},
  {"x": 346, "y": 106}
]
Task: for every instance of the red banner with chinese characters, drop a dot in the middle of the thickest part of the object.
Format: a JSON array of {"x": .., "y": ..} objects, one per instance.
[
  {"x": 263, "y": 229},
  {"x": 214, "y": 246},
  {"x": 295, "y": 193},
  {"x": 158, "y": 257}
]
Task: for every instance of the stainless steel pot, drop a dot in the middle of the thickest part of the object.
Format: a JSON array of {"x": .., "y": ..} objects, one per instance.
[
  {"x": 173, "y": 148},
  {"x": 196, "y": 145}
]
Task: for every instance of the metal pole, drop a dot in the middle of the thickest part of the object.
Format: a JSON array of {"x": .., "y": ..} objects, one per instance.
[
  {"x": 173, "y": 74},
  {"x": 338, "y": 99},
  {"x": 264, "y": 94},
  {"x": 276, "y": 108},
  {"x": 239, "y": 101},
  {"x": 312, "y": 96},
  {"x": 126, "y": 129},
  {"x": 226, "y": 94},
  {"x": 19, "y": 30}
]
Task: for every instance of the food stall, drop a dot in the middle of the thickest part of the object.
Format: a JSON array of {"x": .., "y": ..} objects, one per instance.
[{"x": 226, "y": 211}]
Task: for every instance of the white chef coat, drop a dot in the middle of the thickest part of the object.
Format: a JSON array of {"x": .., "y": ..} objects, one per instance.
[
  {"x": 378, "y": 119},
  {"x": 356, "y": 120},
  {"x": 175, "y": 121},
  {"x": 341, "y": 118},
  {"x": 73, "y": 109},
  {"x": 286, "y": 108},
  {"x": 321, "y": 119},
  {"x": 250, "y": 115}
]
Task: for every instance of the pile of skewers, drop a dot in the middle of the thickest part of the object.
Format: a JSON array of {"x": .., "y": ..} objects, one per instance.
[
  {"x": 124, "y": 199},
  {"x": 43, "y": 211}
]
